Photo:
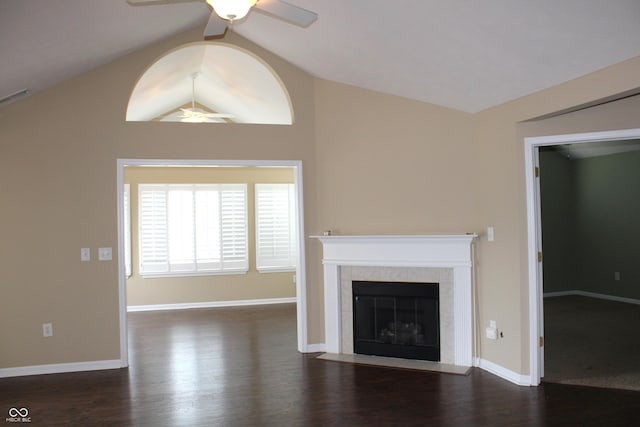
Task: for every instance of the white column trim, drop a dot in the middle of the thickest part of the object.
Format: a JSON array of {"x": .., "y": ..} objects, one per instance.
[
  {"x": 332, "y": 309},
  {"x": 463, "y": 316}
]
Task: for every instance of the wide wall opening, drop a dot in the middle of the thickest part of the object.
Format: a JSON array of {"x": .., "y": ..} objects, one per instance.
[{"x": 226, "y": 233}]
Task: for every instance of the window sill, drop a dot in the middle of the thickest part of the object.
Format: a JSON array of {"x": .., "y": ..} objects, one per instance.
[
  {"x": 189, "y": 274},
  {"x": 277, "y": 270}
]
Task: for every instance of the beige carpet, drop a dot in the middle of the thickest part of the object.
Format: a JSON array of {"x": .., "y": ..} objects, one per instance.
[{"x": 592, "y": 342}]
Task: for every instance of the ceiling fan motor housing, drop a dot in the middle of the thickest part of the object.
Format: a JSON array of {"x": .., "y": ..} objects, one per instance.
[{"x": 232, "y": 9}]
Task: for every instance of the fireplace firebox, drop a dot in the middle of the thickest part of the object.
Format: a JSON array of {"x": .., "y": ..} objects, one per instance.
[{"x": 396, "y": 319}]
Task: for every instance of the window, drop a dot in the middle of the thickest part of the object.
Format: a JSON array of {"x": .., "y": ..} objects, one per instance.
[
  {"x": 190, "y": 229},
  {"x": 276, "y": 234}
]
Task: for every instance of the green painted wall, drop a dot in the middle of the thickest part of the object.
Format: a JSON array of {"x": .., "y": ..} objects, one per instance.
[
  {"x": 602, "y": 211},
  {"x": 608, "y": 200}
]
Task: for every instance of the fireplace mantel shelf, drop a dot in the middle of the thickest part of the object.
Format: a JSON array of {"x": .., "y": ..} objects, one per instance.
[
  {"x": 420, "y": 250},
  {"x": 388, "y": 237}
]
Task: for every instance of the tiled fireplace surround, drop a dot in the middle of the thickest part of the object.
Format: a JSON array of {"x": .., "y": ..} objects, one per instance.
[{"x": 442, "y": 259}]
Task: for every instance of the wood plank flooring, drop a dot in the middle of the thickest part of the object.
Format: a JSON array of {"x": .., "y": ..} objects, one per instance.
[{"x": 240, "y": 367}]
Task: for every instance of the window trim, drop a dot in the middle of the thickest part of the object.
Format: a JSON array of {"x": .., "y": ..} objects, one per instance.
[{"x": 127, "y": 236}]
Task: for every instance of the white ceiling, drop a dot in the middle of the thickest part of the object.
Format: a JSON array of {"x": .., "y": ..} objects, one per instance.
[{"x": 464, "y": 54}]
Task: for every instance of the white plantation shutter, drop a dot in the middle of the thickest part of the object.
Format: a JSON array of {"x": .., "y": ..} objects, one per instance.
[
  {"x": 181, "y": 226},
  {"x": 275, "y": 227},
  {"x": 233, "y": 221},
  {"x": 208, "y": 235},
  {"x": 154, "y": 239},
  {"x": 193, "y": 228}
]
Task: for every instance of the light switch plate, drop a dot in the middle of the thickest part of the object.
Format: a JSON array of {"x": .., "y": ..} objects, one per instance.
[
  {"x": 104, "y": 254},
  {"x": 85, "y": 254}
]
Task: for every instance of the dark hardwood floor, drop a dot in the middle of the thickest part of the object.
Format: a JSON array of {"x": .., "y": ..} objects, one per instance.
[{"x": 240, "y": 367}]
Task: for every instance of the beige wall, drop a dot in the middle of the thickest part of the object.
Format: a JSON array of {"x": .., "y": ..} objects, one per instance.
[
  {"x": 226, "y": 287},
  {"x": 389, "y": 165},
  {"x": 372, "y": 163},
  {"x": 502, "y": 264},
  {"x": 58, "y": 162}
]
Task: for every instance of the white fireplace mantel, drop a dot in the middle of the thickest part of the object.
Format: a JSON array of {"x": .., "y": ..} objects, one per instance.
[{"x": 454, "y": 252}]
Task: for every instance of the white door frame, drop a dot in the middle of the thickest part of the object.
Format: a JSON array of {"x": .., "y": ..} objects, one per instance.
[
  {"x": 301, "y": 288},
  {"x": 534, "y": 232}
]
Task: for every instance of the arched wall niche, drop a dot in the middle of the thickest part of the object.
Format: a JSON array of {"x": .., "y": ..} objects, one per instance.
[{"x": 225, "y": 84}]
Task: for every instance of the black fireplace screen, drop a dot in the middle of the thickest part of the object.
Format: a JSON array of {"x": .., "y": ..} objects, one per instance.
[{"x": 396, "y": 319}]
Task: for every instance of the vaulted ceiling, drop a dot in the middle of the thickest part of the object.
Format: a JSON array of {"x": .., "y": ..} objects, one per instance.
[{"x": 464, "y": 54}]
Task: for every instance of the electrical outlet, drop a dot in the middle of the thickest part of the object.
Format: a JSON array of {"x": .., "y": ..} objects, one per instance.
[
  {"x": 492, "y": 333},
  {"x": 616, "y": 275},
  {"x": 47, "y": 329}
]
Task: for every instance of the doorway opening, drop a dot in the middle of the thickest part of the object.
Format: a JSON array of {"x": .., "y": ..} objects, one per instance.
[
  {"x": 262, "y": 165},
  {"x": 533, "y": 145}
]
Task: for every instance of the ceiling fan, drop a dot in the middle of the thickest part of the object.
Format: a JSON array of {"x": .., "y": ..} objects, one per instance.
[
  {"x": 225, "y": 12},
  {"x": 194, "y": 114}
]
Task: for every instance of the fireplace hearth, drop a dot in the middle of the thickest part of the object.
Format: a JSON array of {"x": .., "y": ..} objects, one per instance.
[{"x": 396, "y": 319}]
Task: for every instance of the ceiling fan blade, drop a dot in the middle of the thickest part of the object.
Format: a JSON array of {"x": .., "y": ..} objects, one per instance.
[
  {"x": 216, "y": 27},
  {"x": 220, "y": 115},
  {"x": 187, "y": 113},
  {"x": 287, "y": 12},
  {"x": 154, "y": 2},
  {"x": 171, "y": 117}
]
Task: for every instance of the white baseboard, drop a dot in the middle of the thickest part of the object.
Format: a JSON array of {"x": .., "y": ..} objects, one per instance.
[
  {"x": 559, "y": 294},
  {"x": 592, "y": 295},
  {"x": 502, "y": 372},
  {"x": 59, "y": 368},
  {"x": 210, "y": 304},
  {"x": 315, "y": 348}
]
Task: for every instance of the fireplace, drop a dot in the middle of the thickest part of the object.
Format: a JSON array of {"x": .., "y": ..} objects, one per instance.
[
  {"x": 396, "y": 319},
  {"x": 401, "y": 260}
]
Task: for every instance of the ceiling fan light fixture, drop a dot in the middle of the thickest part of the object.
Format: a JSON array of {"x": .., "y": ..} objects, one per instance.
[
  {"x": 193, "y": 115},
  {"x": 232, "y": 10}
]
